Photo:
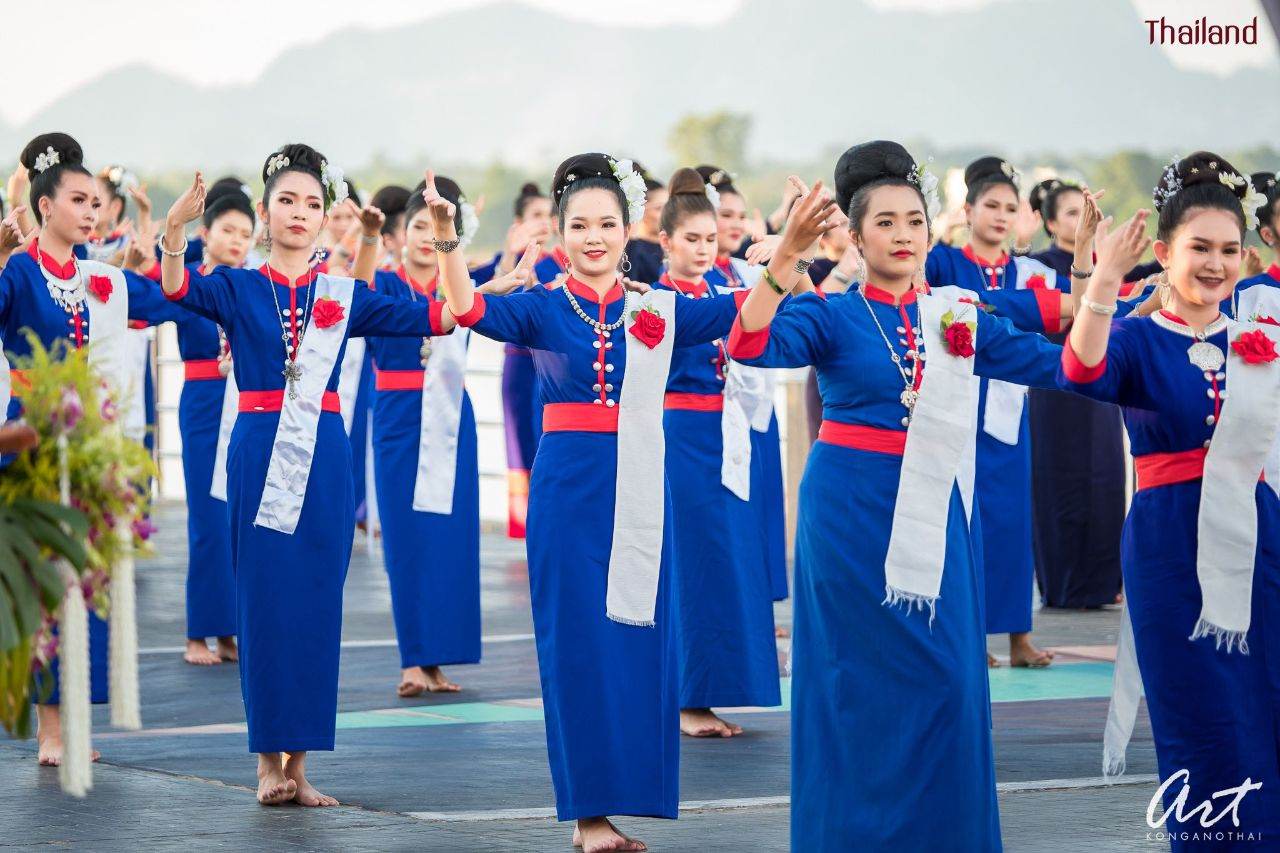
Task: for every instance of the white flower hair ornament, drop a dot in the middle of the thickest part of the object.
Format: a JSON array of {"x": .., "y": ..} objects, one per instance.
[
  {"x": 1251, "y": 202},
  {"x": 470, "y": 222},
  {"x": 1011, "y": 173},
  {"x": 633, "y": 187},
  {"x": 335, "y": 184},
  {"x": 122, "y": 179},
  {"x": 713, "y": 195},
  {"x": 1169, "y": 186},
  {"x": 276, "y": 163},
  {"x": 47, "y": 160},
  {"x": 927, "y": 183}
]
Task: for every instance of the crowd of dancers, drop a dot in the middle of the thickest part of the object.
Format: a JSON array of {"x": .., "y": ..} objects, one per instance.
[{"x": 644, "y": 324}]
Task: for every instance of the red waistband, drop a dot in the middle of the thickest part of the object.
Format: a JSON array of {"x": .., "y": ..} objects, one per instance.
[
  {"x": 579, "y": 417},
  {"x": 398, "y": 380},
  {"x": 202, "y": 368},
  {"x": 1163, "y": 469},
  {"x": 859, "y": 437},
  {"x": 694, "y": 402},
  {"x": 272, "y": 401}
]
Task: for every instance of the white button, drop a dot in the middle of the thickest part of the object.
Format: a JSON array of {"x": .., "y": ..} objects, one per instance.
[
  {"x": 1206, "y": 442},
  {"x": 1220, "y": 376},
  {"x": 596, "y": 401},
  {"x": 610, "y": 403},
  {"x": 595, "y": 387},
  {"x": 1222, "y": 395},
  {"x": 609, "y": 345},
  {"x": 1210, "y": 420},
  {"x": 595, "y": 366},
  {"x": 906, "y": 421},
  {"x": 1209, "y": 392},
  {"x": 608, "y": 387},
  {"x": 259, "y": 409},
  {"x": 596, "y": 344},
  {"x": 608, "y": 368}
]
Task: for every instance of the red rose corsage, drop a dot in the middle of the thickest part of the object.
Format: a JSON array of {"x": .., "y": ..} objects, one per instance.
[
  {"x": 100, "y": 287},
  {"x": 958, "y": 335},
  {"x": 1255, "y": 347},
  {"x": 648, "y": 326},
  {"x": 1036, "y": 282},
  {"x": 327, "y": 312}
]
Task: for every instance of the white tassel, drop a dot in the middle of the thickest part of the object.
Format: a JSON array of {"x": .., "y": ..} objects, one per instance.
[
  {"x": 894, "y": 597},
  {"x": 639, "y": 623},
  {"x": 1233, "y": 640},
  {"x": 76, "y": 771},
  {"x": 1113, "y": 764},
  {"x": 125, "y": 703}
]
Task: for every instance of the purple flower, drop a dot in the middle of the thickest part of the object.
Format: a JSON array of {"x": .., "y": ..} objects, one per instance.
[
  {"x": 109, "y": 409},
  {"x": 69, "y": 412},
  {"x": 143, "y": 528}
]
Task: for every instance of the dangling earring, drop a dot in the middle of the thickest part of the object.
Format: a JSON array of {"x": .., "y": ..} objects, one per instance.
[
  {"x": 860, "y": 271},
  {"x": 625, "y": 266},
  {"x": 404, "y": 254},
  {"x": 266, "y": 235}
]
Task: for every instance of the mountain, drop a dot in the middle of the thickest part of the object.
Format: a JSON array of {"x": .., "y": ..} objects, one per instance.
[{"x": 507, "y": 80}]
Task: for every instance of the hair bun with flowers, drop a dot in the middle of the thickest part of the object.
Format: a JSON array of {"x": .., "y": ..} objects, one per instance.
[
  {"x": 595, "y": 165},
  {"x": 1205, "y": 167}
]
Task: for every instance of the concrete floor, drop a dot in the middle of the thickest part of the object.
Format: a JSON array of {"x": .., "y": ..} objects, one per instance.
[{"x": 469, "y": 772}]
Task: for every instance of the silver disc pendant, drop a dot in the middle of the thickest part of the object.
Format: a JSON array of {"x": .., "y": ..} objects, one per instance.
[
  {"x": 909, "y": 397},
  {"x": 292, "y": 373},
  {"x": 1206, "y": 356},
  {"x": 424, "y": 351}
]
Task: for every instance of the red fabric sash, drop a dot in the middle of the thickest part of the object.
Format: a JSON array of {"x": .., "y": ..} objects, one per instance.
[
  {"x": 201, "y": 368},
  {"x": 273, "y": 401},
  {"x": 579, "y": 417},
  {"x": 859, "y": 437},
  {"x": 694, "y": 402}
]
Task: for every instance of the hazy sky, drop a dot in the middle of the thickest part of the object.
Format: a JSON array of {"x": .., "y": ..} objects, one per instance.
[{"x": 176, "y": 35}]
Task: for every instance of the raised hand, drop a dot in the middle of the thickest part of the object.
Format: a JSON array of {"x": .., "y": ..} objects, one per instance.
[
  {"x": 1120, "y": 250},
  {"x": 142, "y": 200},
  {"x": 1087, "y": 224},
  {"x": 755, "y": 226},
  {"x": 141, "y": 252},
  {"x": 1026, "y": 225},
  {"x": 189, "y": 206},
  {"x": 1251, "y": 263},
  {"x": 761, "y": 251},
  {"x": 812, "y": 216},
  {"x": 441, "y": 209},
  {"x": 18, "y": 185},
  {"x": 635, "y": 286},
  {"x": 11, "y": 236},
  {"x": 371, "y": 220},
  {"x": 519, "y": 278}
]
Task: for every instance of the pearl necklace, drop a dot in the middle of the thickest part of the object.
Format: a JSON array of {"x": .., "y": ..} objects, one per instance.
[
  {"x": 605, "y": 329},
  {"x": 292, "y": 370},
  {"x": 909, "y": 394}
]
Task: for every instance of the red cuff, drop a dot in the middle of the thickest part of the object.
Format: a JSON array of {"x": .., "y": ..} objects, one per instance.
[
  {"x": 1076, "y": 371},
  {"x": 744, "y": 344},
  {"x": 152, "y": 272},
  {"x": 740, "y": 296},
  {"x": 822, "y": 294},
  {"x": 138, "y": 324},
  {"x": 181, "y": 291},
  {"x": 1050, "y": 304},
  {"x": 436, "y": 312},
  {"x": 473, "y": 316}
]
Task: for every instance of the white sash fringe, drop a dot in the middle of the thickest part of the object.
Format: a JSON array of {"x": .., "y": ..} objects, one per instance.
[
  {"x": 442, "y": 389},
  {"x": 1126, "y": 693}
]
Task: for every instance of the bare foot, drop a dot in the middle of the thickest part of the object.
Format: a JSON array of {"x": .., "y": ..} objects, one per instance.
[
  {"x": 992, "y": 661},
  {"x": 597, "y": 834},
  {"x": 227, "y": 649},
  {"x": 198, "y": 653},
  {"x": 1023, "y": 653},
  {"x": 274, "y": 787},
  {"x": 296, "y": 771},
  {"x": 781, "y": 631},
  {"x": 437, "y": 682},
  {"x": 49, "y": 737},
  {"x": 701, "y": 722},
  {"x": 413, "y": 682}
]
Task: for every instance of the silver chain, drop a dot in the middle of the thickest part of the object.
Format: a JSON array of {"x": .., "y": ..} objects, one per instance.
[
  {"x": 908, "y": 379},
  {"x": 603, "y": 328},
  {"x": 292, "y": 370},
  {"x": 424, "y": 350}
]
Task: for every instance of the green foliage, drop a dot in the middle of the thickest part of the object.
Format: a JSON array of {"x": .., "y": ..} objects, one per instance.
[{"x": 718, "y": 138}]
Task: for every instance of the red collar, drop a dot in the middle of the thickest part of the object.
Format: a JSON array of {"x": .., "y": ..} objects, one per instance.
[
  {"x": 277, "y": 277},
  {"x": 973, "y": 256},
  {"x": 1169, "y": 315},
  {"x": 696, "y": 289},
  {"x": 62, "y": 271},
  {"x": 1274, "y": 271},
  {"x": 582, "y": 291},
  {"x": 876, "y": 294},
  {"x": 428, "y": 289}
]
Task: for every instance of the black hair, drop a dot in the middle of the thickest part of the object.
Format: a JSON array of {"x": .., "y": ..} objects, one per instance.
[
  {"x": 688, "y": 197},
  {"x": 650, "y": 182},
  {"x": 718, "y": 178},
  {"x": 448, "y": 189},
  {"x": 352, "y": 192},
  {"x": 1196, "y": 182},
  {"x": 1268, "y": 185},
  {"x": 528, "y": 193},
  {"x": 1045, "y": 197},
  {"x": 391, "y": 200},
  {"x": 227, "y": 202},
  {"x": 226, "y": 186},
  {"x": 45, "y": 182},
  {"x": 586, "y": 172},
  {"x": 986, "y": 173},
  {"x": 115, "y": 178},
  {"x": 301, "y": 158},
  {"x": 871, "y": 165}
]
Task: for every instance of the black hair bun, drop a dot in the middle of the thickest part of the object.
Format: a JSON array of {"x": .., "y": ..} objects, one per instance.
[
  {"x": 994, "y": 169},
  {"x": 301, "y": 157},
  {"x": 869, "y": 162},
  {"x": 530, "y": 189},
  {"x": 719, "y": 178},
  {"x": 1049, "y": 186},
  {"x": 391, "y": 199},
  {"x": 592, "y": 165},
  {"x": 68, "y": 150},
  {"x": 229, "y": 185},
  {"x": 687, "y": 181},
  {"x": 1202, "y": 167},
  {"x": 227, "y": 201}
]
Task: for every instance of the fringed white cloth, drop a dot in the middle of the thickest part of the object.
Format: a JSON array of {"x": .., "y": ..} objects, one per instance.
[
  {"x": 75, "y": 774},
  {"x": 125, "y": 701},
  {"x": 635, "y": 558},
  {"x": 226, "y": 422},
  {"x": 938, "y": 438},
  {"x": 1227, "y": 528},
  {"x": 1126, "y": 693},
  {"x": 349, "y": 381},
  {"x": 295, "y": 442},
  {"x": 443, "y": 385}
]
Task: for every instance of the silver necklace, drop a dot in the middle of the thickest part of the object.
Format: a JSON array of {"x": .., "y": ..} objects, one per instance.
[
  {"x": 987, "y": 271},
  {"x": 909, "y": 394},
  {"x": 68, "y": 293},
  {"x": 424, "y": 350},
  {"x": 292, "y": 370},
  {"x": 604, "y": 329}
]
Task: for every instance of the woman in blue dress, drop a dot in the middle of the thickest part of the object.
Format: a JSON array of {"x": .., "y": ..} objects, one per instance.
[
  {"x": 997, "y": 215},
  {"x": 425, "y": 466},
  {"x": 891, "y": 719},
  {"x": 289, "y": 487},
  {"x": 599, "y": 539},
  {"x": 1200, "y": 395},
  {"x": 724, "y": 627}
]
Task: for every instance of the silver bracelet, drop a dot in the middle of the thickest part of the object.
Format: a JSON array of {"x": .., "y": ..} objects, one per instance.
[
  {"x": 1097, "y": 307},
  {"x": 802, "y": 266},
  {"x": 177, "y": 254},
  {"x": 444, "y": 247},
  {"x": 370, "y": 241},
  {"x": 1080, "y": 274}
]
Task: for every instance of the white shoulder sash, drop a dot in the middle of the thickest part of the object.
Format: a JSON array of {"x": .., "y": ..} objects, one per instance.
[
  {"x": 226, "y": 422},
  {"x": 290, "y": 464},
  {"x": 1002, "y": 415},
  {"x": 636, "y": 555},
  {"x": 108, "y": 322},
  {"x": 1263, "y": 301},
  {"x": 349, "y": 381},
  {"x": 443, "y": 385},
  {"x": 938, "y": 438}
]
